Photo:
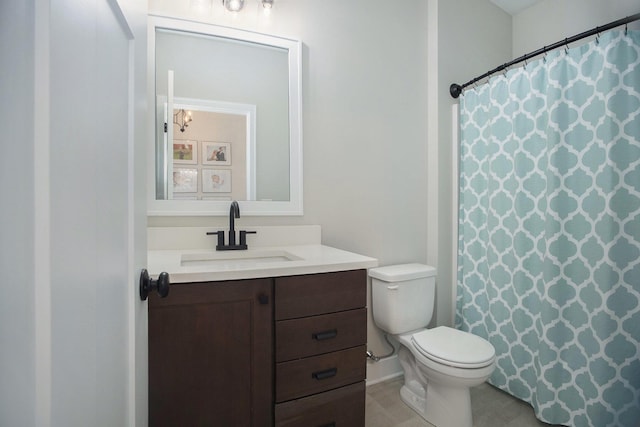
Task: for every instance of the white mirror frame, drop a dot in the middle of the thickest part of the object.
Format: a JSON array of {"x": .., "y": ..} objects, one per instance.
[{"x": 292, "y": 207}]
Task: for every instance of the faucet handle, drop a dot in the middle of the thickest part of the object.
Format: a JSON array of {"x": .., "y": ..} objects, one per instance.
[
  {"x": 243, "y": 236},
  {"x": 220, "y": 234}
]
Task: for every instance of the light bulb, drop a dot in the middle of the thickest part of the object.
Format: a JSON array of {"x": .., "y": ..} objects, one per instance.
[{"x": 233, "y": 5}]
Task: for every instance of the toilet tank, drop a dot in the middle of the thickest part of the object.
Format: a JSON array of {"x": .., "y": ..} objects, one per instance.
[{"x": 402, "y": 296}]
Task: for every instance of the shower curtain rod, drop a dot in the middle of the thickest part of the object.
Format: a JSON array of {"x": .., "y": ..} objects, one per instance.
[{"x": 455, "y": 89}]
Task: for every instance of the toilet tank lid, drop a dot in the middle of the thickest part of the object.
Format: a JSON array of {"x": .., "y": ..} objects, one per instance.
[{"x": 397, "y": 273}]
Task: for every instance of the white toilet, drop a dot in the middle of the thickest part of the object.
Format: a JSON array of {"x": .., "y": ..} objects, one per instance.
[{"x": 440, "y": 364}]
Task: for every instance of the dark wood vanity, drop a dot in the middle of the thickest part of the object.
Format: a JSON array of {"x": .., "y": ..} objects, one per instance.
[{"x": 285, "y": 351}]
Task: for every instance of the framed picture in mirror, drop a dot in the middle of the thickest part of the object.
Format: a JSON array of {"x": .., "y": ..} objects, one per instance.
[
  {"x": 185, "y": 180},
  {"x": 216, "y": 180},
  {"x": 185, "y": 152},
  {"x": 216, "y": 153}
]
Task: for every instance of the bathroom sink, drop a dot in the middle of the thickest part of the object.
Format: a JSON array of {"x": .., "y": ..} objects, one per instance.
[{"x": 236, "y": 259}]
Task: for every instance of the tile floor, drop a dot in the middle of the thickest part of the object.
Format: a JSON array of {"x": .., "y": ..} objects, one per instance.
[{"x": 491, "y": 408}]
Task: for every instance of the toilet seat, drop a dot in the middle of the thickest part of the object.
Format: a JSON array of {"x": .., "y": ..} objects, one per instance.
[{"x": 453, "y": 347}]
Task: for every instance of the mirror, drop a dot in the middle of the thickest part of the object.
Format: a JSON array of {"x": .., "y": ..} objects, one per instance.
[{"x": 227, "y": 123}]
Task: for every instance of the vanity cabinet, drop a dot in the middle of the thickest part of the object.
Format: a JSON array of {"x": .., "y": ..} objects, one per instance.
[
  {"x": 211, "y": 354},
  {"x": 289, "y": 351},
  {"x": 320, "y": 347}
]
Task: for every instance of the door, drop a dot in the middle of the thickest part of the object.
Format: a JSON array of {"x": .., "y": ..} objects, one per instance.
[
  {"x": 211, "y": 355},
  {"x": 95, "y": 240},
  {"x": 72, "y": 229}
]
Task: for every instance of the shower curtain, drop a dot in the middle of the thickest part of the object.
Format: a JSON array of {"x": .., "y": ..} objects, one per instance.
[{"x": 549, "y": 230}]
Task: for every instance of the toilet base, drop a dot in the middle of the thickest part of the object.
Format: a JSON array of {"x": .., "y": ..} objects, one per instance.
[
  {"x": 413, "y": 400},
  {"x": 442, "y": 400},
  {"x": 441, "y": 406}
]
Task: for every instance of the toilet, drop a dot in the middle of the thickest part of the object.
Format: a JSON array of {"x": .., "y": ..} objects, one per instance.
[{"x": 440, "y": 364}]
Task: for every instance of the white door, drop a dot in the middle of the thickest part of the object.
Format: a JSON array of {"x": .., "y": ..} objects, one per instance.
[
  {"x": 72, "y": 219},
  {"x": 95, "y": 248}
]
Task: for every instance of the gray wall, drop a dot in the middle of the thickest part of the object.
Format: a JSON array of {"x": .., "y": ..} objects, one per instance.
[{"x": 550, "y": 20}]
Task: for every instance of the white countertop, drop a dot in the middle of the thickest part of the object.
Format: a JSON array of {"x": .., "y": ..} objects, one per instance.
[
  {"x": 312, "y": 259},
  {"x": 274, "y": 251}
]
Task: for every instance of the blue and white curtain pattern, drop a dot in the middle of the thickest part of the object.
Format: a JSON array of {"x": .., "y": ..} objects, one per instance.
[{"x": 549, "y": 230}]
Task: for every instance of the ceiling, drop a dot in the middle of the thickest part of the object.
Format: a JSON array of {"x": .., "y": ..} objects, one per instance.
[{"x": 513, "y": 7}]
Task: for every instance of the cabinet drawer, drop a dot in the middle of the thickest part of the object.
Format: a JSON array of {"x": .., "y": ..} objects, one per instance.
[
  {"x": 343, "y": 407},
  {"x": 310, "y": 295},
  {"x": 309, "y": 336},
  {"x": 303, "y": 377}
]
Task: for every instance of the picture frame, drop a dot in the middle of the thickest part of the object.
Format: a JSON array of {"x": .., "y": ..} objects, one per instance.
[
  {"x": 185, "y": 180},
  {"x": 216, "y": 153},
  {"x": 216, "y": 180},
  {"x": 185, "y": 152}
]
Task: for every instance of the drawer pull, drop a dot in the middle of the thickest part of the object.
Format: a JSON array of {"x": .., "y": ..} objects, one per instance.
[
  {"x": 323, "y": 375},
  {"x": 333, "y": 424},
  {"x": 325, "y": 335}
]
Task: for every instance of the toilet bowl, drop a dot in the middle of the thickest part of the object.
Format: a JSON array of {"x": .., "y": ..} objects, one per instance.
[{"x": 440, "y": 364}]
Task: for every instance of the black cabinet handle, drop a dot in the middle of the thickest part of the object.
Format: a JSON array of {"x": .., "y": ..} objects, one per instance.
[
  {"x": 263, "y": 299},
  {"x": 325, "y": 335},
  {"x": 323, "y": 375},
  {"x": 147, "y": 284}
]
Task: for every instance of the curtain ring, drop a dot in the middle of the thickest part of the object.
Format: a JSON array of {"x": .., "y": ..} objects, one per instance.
[
  {"x": 626, "y": 28},
  {"x": 566, "y": 47}
]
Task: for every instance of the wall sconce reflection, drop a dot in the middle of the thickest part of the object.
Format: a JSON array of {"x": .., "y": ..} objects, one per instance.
[{"x": 182, "y": 119}]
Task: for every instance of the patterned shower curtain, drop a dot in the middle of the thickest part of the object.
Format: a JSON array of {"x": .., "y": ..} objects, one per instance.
[{"x": 549, "y": 230}]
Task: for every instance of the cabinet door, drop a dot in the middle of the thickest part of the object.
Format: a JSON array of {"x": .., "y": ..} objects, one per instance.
[{"x": 210, "y": 355}]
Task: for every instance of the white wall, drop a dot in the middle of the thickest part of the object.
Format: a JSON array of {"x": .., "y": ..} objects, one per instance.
[{"x": 550, "y": 20}]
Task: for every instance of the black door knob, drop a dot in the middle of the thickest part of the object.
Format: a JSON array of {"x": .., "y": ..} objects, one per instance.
[{"x": 147, "y": 284}]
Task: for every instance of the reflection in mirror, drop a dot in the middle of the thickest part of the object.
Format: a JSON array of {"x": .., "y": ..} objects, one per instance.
[
  {"x": 227, "y": 121},
  {"x": 213, "y": 143}
]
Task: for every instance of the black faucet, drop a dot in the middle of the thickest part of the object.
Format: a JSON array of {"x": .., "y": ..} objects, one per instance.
[{"x": 234, "y": 212}]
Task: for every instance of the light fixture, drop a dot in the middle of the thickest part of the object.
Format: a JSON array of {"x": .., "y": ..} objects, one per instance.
[
  {"x": 267, "y": 4},
  {"x": 233, "y": 5},
  {"x": 182, "y": 118}
]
